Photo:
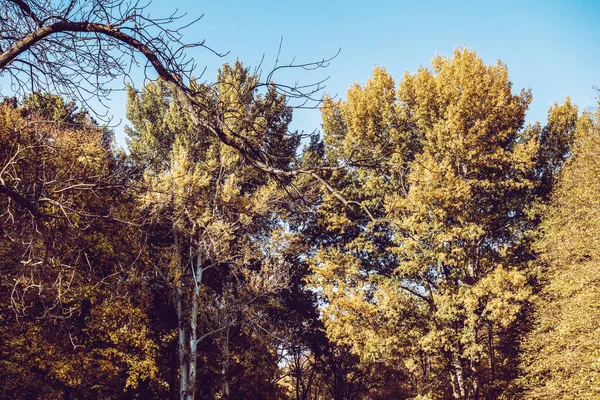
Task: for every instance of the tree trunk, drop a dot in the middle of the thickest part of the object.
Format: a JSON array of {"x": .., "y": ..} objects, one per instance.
[
  {"x": 491, "y": 352},
  {"x": 225, "y": 367},
  {"x": 459, "y": 378},
  {"x": 298, "y": 373},
  {"x": 194, "y": 328},
  {"x": 182, "y": 347}
]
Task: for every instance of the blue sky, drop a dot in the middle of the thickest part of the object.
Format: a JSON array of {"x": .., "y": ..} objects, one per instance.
[{"x": 551, "y": 46}]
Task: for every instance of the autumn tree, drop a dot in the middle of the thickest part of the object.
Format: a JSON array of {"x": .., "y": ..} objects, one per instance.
[
  {"x": 423, "y": 265},
  {"x": 178, "y": 270},
  {"x": 71, "y": 326},
  {"x": 217, "y": 210},
  {"x": 561, "y": 352}
]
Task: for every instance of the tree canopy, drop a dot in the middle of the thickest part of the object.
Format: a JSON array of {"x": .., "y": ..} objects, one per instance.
[
  {"x": 428, "y": 244},
  {"x": 561, "y": 352}
]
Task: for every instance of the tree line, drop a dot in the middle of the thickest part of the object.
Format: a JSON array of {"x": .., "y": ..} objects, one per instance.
[
  {"x": 428, "y": 244},
  {"x": 443, "y": 250}
]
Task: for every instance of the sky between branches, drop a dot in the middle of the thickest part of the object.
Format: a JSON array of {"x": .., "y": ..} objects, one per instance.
[{"x": 551, "y": 46}]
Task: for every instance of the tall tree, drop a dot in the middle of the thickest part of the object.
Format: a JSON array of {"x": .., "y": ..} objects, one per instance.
[
  {"x": 217, "y": 210},
  {"x": 561, "y": 352},
  {"x": 420, "y": 268}
]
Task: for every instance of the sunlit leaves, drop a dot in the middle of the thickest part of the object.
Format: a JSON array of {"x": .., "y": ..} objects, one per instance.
[
  {"x": 449, "y": 178},
  {"x": 562, "y": 356}
]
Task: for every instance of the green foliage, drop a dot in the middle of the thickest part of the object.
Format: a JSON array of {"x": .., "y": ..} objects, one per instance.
[{"x": 222, "y": 220}]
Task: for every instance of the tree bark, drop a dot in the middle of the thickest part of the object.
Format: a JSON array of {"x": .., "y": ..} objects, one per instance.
[
  {"x": 491, "y": 352},
  {"x": 459, "y": 392},
  {"x": 182, "y": 347},
  {"x": 225, "y": 367},
  {"x": 194, "y": 328}
]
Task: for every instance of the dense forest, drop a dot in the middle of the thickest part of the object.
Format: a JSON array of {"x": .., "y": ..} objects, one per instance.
[{"x": 427, "y": 243}]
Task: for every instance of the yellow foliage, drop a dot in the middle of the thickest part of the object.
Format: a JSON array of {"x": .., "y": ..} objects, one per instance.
[
  {"x": 423, "y": 283},
  {"x": 562, "y": 353}
]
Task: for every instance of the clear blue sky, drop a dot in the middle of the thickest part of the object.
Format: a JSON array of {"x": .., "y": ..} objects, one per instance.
[{"x": 551, "y": 46}]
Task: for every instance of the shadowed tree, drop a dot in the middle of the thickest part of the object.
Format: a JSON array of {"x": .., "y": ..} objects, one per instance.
[{"x": 71, "y": 324}]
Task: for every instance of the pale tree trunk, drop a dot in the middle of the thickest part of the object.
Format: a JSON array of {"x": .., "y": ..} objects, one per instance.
[
  {"x": 454, "y": 384},
  {"x": 181, "y": 323},
  {"x": 225, "y": 367},
  {"x": 194, "y": 328},
  {"x": 458, "y": 387},
  {"x": 464, "y": 387}
]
